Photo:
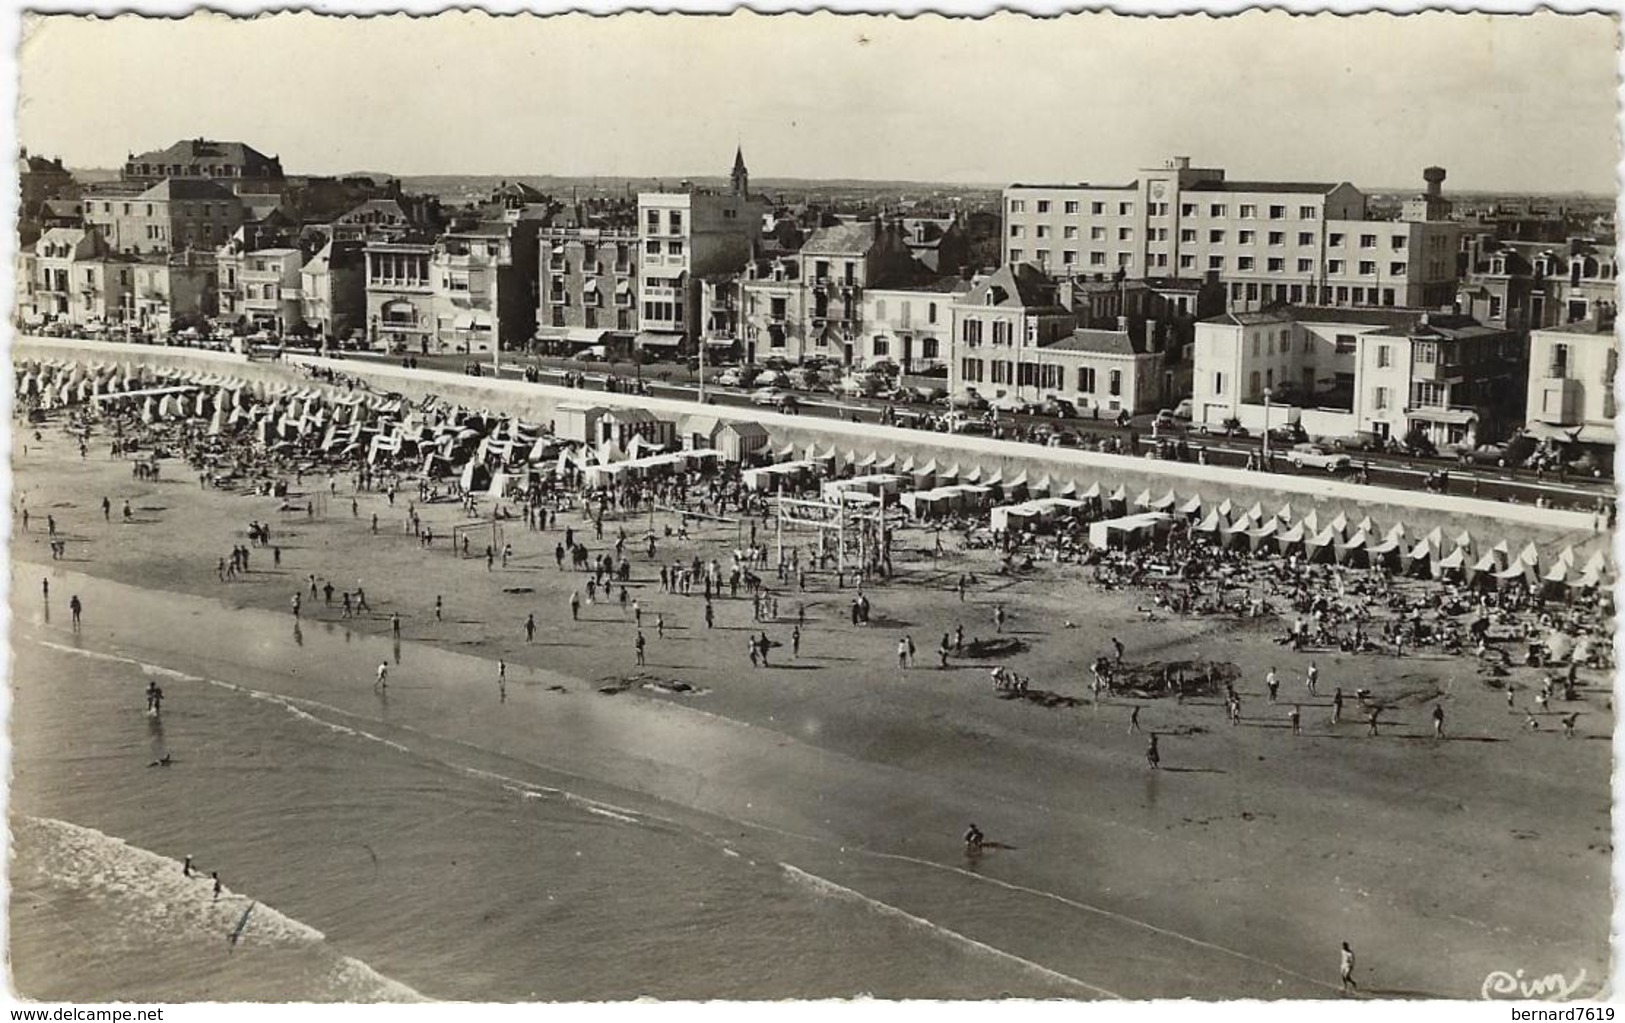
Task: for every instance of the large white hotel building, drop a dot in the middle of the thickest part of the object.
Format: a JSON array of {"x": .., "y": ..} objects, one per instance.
[{"x": 1268, "y": 241}]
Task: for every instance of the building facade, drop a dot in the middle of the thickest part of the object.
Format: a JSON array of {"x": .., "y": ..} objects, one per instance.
[
  {"x": 260, "y": 288},
  {"x": 912, "y": 327},
  {"x": 237, "y": 166},
  {"x": 1571, "y": 381},
  {"x": 401, "y": 295},
  {"x": 588, "y": 282},
  {"x": 1269, "y": 242},
  {"x": 999, "y": 326},
  {"x": 170, "y": 216},
  {"x": 177, "y": 290},
  {"x": 1535, "y": 285},
  {"x": 686, "y": 235},
  {"x": 333, "y": 290}
]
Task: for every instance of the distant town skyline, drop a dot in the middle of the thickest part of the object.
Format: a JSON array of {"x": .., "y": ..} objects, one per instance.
[{"x": 1508, "y": 104}]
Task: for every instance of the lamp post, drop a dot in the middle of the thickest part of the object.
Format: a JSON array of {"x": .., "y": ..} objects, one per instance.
[{"x": 1266, "y": 463}]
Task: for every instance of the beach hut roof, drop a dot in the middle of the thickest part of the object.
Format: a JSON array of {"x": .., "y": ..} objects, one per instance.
[
  {"x": 1285, "y": 514},
  {"x": 1455, "y": 559},
  {"x": 1325, "y": 537},
  {"x": 1092, "y": 494},
  {"x": 1485, "y": 564},
  {"x": 1423, "y": 549},
  {"x": 1192, "y": 505},
  {"x": 1436, "y": 537},
  {"x": 1502, "y": 548},
  {"x": 975, "y": 475},
  {"x": 1144, "y": 499},
  {"x": 1293, "y": 535},
  {"x": 1396, "y": 532},
  {"x": 908, "y": 465},
  {"x": 1120, "y": 494},
  {"x": 1225, "y": 507},
  {"x": 1311, "y": 522},
  {"x": 1465, "y": 540}
]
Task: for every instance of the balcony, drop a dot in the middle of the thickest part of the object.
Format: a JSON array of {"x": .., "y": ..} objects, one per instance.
[{"x": 1439, "y": 372}]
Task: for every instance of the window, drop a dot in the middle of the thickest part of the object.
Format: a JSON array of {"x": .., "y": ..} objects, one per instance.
[
  {"x": 1068, "y": 257},
  {"x": 1215, "y": 237},
  {"x": 1277, "y": 212},
  {"x": 1495, "y": 307},
  {"x": 1306, "y": 266},
  {"x": 1246, "y": 237},
  {"x": 1218, "y": 209},
  {"x": 1256, "y": 380},
  {"x": 1367, "y": 267},
  {"x": 1125, "y": 209},
  {"x": 1043, "y": 205},
  {"x": 971, "y": 332},
  {"x": 1558, "y": 366},
  {"x": 674, "y": 247},
  {"x": 1306, "y": 238},
  {"x": 1306, "y": 213},
  {"x": 1017, "y": 231},
  {"x": 1114, "y": 385},
  {"x": 931, "y": 312},
  {"x": 1125, "y": 259},
  {"x": 1187, "y": 209},
  {"x": 1097, "y": 208},
  {"x": 651, "y": 247},
  {"x": 1187, "y": 234},
  {"x": 1334, "y": 266},
  {"x": 1385, "y": 356},
  {"x": 1218, "y": 383},
  {"x": 1276, "y": 264},
  {"x": 654, "y": 222},
  {"x": 1069, "y": 231},
  {"x": 1334, "y": 239},
  {"x": 970, "y": 370},
  {"x": 1187, "y": 262},
  {"x": 1244, "y": 262},
  {"x": 1428, "y": 394},
  {"x": 1368, "y": 241},
  {"x": 1086, "y": 379},
  {"x": 1379, "y": 398},
  {"x": 928, "y": 348},
  {"x": 1345, "y": 344},
  {"x": 1042, "y": 255},
  {"x": 1125, "y": 234},
  {"x": 1248, "y": 211},
  {"x": 1215, "y": 262},
  {"x": 1071, "y": 206},
  {"x": 1398, "y": 242},
  {"x": 882, "y": 346},
  {"x": 1097, "y": 259},
  {"x": 1396, "y": 269},
  {"x": 1002, "y": 333},
  {"x": 1043, "y": 230},
  {"x": 880, "y": 309},
  {"x": 1015, "y": 255},
  {"x": 1097, "y": 234},
  {"x": 1018, "y": 206}
]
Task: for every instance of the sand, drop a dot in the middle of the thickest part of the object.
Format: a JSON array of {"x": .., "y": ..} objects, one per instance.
[{"x": 1235, "y": 869}]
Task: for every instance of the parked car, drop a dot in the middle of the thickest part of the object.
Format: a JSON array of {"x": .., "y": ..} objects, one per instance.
[
  {"x": 592, "y": 353},
  {"x": 1011, "y": 405},
  {"x": 969, "y": 400},
  {"x": 1315, "y": 456},
  {"x": 1058, "y": 408},
  {"x": 1588, "y": 464},
  {"x": 1288, "y": 433},
  {"x": 1185, "y": 409},
  {"x": 1359, "y": 440},
  {"x": 959, "y": 422},
  {"x": 738, "y": 376},
  {"x": 768, "y": 396},
  {"x": 1166, "y": 420},
  {"x": 1484, "y": 454},
  {"x": 930, "y": 395},
  {"x": 771, "y": 378}
]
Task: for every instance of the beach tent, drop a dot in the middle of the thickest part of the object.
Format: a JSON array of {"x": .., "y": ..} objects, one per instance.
[
  {"x": 1557, "y": 576},
  {"x": 1530, "y": 555},
  {"x": 1419, "y": 558},
  {"x": 950, "y": 476},
  {"x": 974, "y": 476},
  {"x": 1436, "y": 537},
  {"x": 906, "y": 467},
  {"x": 1256, "y": 512},
  {"x": 1070, "y": 490},
  {"x": 1192, "y": 506},
  {"x": 1165, "y": 503},
  {"x": 1352, "y": 550},
  {"x": 925, "y": 477},
  {"x": 1310, "y": 523},
  {"x": 1503, "y": 553},
  {"x": 1566, "y": 556},
  {"x": 1226, "y": 509},
  {"x": 1285, "y": 514},
  {"x": 1322, "y": 546},
  {"x": 887, "y": 464},
  {"x": 1209, "y": 525},
  {"x": 1017, "y": 488},
  {"x": 868, "y": 461},
  {"x": 1117, "y": 499},
  {"x": 1143, "y": 501},
  {"x": 1454, "y": 563},
  {"x": 1396, "y": 533},
  {"x": 1287, "y": 539},
  {"x": 1264, "y": 536}
]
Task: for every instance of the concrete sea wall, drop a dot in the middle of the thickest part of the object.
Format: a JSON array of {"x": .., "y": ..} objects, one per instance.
[{"x": 1488, "y": 521}]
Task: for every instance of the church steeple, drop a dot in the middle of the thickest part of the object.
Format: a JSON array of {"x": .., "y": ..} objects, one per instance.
[{"x": 740, "y": 176}]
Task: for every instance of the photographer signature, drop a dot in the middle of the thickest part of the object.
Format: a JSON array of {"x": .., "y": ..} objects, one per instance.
[{"x": 1553, "y": 987}]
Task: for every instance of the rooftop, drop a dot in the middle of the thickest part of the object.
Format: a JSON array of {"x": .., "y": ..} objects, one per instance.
[
  {"x": 188, "y": 188},
  {"x": 1306, "y": 187},
  {"x": 1099, "y": 342},
  {"x": 845, "y": 238}
]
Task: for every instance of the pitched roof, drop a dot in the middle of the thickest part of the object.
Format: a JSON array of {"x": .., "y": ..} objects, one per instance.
[
  {"x": 207, "y": 152},
  {"x": 188, "y": 188},
  {"x": 1099, "y": 342},
  {"x": 1022, "y": 286},
  {"x": 846, "y": 238}
]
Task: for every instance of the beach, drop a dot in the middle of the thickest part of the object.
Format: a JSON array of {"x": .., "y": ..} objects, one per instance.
[{"x": 706, "y": 828}]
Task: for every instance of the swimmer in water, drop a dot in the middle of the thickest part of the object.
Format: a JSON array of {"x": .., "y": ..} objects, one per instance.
[
  {"x": 155, "y": 698},
  {"x": 973, "y": 838},
  {"x": 218, "y": 887},
  {"x": 186, "y": 868}
]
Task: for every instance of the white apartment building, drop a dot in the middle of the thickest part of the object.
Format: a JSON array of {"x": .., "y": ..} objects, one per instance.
[
  {"x": 1269, "y": 241},
  {"x": 912, "y": 327},
  {"x": 1571, "y": 382}
]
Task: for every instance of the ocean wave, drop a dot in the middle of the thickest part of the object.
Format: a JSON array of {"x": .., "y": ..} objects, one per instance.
[
  {"x": 825, "y": 887},
  {"x": 154, "y": 897}
]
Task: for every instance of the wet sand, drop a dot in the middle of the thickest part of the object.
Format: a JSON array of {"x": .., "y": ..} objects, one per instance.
[{"x": 1234, "y": 871}]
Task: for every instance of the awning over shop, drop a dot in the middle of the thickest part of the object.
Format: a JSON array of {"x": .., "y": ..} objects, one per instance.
[
  {"x": 1458, "y": 416},
  {"x": 573, "y": 335},
  {"x": 648, "y": 339}
]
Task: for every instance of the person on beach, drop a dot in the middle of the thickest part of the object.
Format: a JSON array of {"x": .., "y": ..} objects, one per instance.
[
  {"x": 1311, "y": 677},
  {"x": 107, "y": 510},
  {"x": 1371, "y": 719},
  {"x": 1337, "y": 705},
  {"x": 1117, "y": 647},
  {"x": 75, "y": 608},
  {"x": 902, "y": 653},
  {"x": 974, "y": 838},
  {"x": 218, "y": 887},
  {"x": 155, "y": 698},
  {"x": 297, "y": 602},
  {"x": 1569, "y": 721},
  {"x": 998, "y": 618},
  {"x": 530, "y": 628},
  {"x": 439, "y": 608},
  {"x": 1296, "y": 719},
  {"x": 45, "y": 588},
  {"x": 395, "y": 625},
  {"x": 1272, "y": 684},
  {"x": 710, "y": 615},
  {"x": 1438, "y": 721},
  {"x": 640, "y": 643},
  {"x": 163, "y": 761},
  {"x": 1345, "y": 969},
  {"x": 186, "y": 867},
  {"x": 383, "y": 676},
  {"x": 575, "y": 606},
  {"x": 502, "y": 672},
  {"x": 1153, "y": 757}
]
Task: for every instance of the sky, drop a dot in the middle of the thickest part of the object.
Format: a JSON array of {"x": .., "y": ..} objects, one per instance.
[{"x": 1503, "y": 102}]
